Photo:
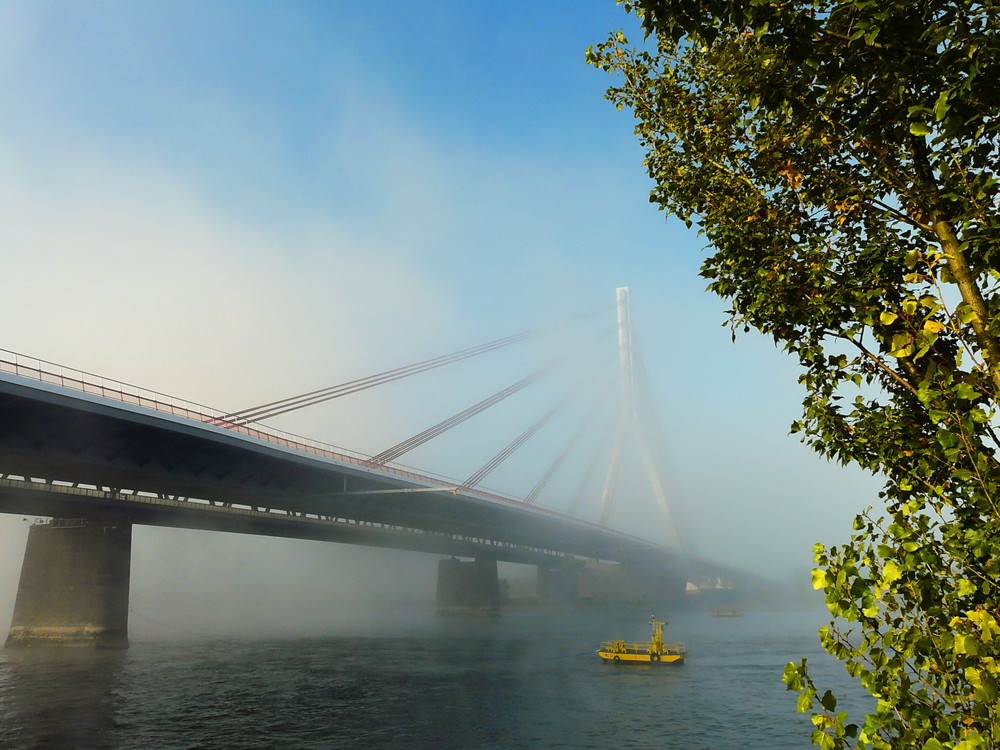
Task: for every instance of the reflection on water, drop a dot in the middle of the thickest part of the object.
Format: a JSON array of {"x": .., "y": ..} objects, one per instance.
[
  {"x": 530, "y": 679},
  {"x": 60, "y": 698}
]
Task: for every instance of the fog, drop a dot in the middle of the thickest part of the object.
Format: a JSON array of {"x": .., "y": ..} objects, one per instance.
[
  {"x": 261, "y": 585},
  {"x": 232, "y": 205}
]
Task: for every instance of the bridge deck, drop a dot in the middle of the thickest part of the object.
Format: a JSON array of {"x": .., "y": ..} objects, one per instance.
[{"x": 77, "y": 429}]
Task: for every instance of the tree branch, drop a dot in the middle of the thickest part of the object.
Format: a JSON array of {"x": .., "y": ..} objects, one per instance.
[
  {"x": 958, "y": 264},
  {"x": 886, "y": 369}
]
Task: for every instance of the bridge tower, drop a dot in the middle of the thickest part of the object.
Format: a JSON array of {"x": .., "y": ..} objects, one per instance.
[
  {"x": 632, "y": 426},
  {"x": 634, "y": 431}
]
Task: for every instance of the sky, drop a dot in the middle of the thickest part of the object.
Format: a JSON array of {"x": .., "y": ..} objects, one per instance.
[{"x": 232, "y": 202}]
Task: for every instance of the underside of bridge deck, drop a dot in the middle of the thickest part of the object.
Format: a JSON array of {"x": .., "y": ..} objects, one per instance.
[{"x": 123, "y": 449}]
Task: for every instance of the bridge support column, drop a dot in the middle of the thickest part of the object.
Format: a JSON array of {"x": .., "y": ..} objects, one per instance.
[
  {"x": 634, "y": 584},
  {"x": 74, "y": 585},
  {"x": 468, "y": 586},
  {"x": 557, "y": 584}
]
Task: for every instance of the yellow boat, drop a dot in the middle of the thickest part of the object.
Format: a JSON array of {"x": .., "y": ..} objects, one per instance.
[{"x": 644, "y": 652}]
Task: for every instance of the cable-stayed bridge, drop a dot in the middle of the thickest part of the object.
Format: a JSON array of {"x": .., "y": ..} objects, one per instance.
[{"x": 98, "y": 456}]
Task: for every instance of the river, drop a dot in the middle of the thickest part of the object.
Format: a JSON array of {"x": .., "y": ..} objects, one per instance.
[{"x": 529, "y": 679}]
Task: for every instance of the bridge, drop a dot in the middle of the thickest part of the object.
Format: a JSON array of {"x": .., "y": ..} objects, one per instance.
[{"x": 98, "y": 456}]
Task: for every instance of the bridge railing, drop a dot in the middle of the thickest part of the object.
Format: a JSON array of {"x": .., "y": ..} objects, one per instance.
[
  {"x": 97, "y": 385},
  {"x": 53, "y": 373}
]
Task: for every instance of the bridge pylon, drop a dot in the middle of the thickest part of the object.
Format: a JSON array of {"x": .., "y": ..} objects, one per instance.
[{"x": 633, "y": 427}]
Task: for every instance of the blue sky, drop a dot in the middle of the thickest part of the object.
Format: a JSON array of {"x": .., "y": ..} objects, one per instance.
[{"x": 232, "y": 202}]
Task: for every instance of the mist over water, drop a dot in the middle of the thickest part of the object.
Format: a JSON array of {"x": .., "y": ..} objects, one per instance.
[{"x": 410, "y": 679}]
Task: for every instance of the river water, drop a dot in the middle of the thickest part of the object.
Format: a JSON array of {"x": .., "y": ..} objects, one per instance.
[{"x": 529, "y": 679}]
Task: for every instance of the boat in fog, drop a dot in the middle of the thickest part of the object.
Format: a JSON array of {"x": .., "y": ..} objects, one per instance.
[
  {"x": 654, "y": 651},
  {"x": 727, "y": 612}
]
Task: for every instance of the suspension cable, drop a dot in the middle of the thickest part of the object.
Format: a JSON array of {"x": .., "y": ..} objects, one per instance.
[
  {"x": 589, "y": 475},
  {"x": 520, "y": 440},
  {"x": 561, "y": 458},
  {"x": 649, "y": 421},
  {"x": 273, "y": 409},
  {"x": 504, "y": 454},
  {"x": 282, "y": 406},
  {"x": 391, "y": 454}
]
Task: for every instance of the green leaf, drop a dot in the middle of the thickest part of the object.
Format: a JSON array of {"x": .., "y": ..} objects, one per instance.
[
  {"x": 891, "y": 572},
  {"x": 792, "y": 675},
  {"x": 818, "y": 578},
  {"x": 966, "y": 391},
  {"x": 965, "y": 314},
  {"x": 941, "y": 107},
  {"x": 902, "y": 345},
  {"x": 919, "y": 128},
  {"x": 966, "y": 644}
]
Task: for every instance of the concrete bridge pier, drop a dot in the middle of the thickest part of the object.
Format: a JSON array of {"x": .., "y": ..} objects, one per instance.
[
  {"x": 557, "y": 584},
  {"x": 468, "y": 586},
  {"x": 602, "y": 582},
  {"x": 74, "y": 585}
]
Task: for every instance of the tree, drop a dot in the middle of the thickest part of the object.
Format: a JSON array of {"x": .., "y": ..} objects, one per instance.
[{"x": 840, "y": 158}]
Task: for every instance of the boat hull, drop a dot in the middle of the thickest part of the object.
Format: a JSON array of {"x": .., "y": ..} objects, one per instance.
[{"x": 633, "y": 659}]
